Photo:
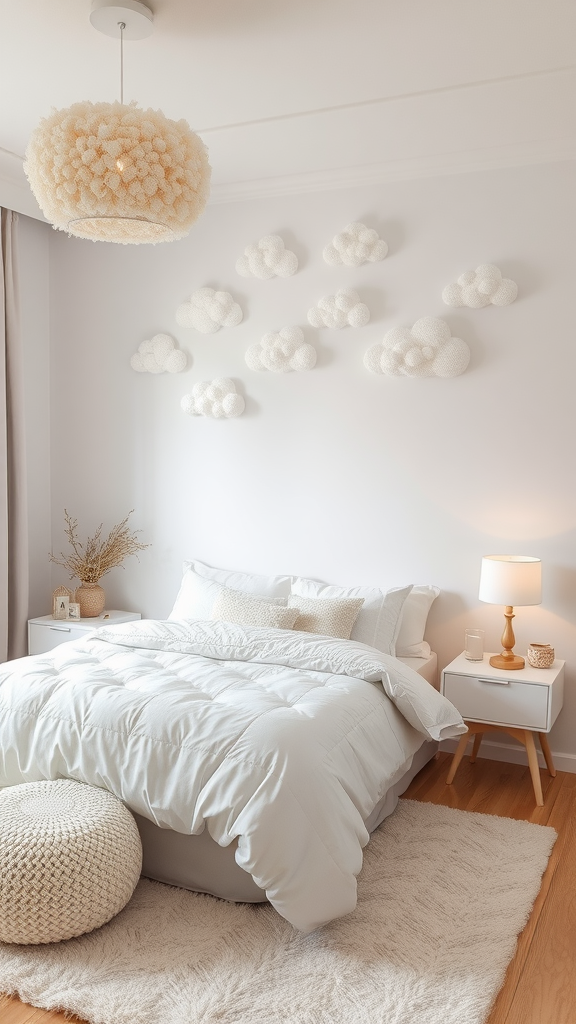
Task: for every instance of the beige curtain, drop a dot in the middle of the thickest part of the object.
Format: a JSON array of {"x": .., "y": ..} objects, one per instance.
[{"x": 13, "y": 511}]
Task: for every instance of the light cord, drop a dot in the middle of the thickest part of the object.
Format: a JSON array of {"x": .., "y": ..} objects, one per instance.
[{"x": 122, "y": 25}]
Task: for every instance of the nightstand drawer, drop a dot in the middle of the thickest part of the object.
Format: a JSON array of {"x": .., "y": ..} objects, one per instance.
[
  {"x": 506, "y": 702},
  {"x": 43, "y": 638},
  {"x": 45, "y": 632}
]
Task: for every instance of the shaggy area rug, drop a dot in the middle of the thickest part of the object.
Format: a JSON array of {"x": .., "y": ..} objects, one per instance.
[{"x": 442, "y": 897}]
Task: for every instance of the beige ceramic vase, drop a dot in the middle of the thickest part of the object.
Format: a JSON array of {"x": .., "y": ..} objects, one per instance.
[{"x": 91, "y": 598}]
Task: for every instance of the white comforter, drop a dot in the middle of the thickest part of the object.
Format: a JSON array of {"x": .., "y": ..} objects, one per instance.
[{"x": 283, "y": 739}]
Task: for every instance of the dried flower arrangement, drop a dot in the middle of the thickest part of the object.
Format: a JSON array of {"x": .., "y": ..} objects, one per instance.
[{"x": 91, "y": 561}]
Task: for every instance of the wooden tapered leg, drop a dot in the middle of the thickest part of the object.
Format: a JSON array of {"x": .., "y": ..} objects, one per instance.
[
  {"x": 524, "y": 736},
  {"x": 547, "y": 754},
  {"x": 528, "y": 741},
  {"x": 458, "y": 755},
  {"x": 476, "y": 746}
]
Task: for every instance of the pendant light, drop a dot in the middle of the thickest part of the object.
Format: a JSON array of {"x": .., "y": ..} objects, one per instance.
[{"x": 114, "y": 172}]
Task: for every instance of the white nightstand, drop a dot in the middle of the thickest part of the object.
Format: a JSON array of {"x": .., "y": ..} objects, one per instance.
[
  {"x": 520, "y": 703},
  {"x": 44, "y": 633}
]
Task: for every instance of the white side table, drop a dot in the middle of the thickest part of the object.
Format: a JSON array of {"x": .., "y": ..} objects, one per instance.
[
  {"x": 520, "y": 703},
  {"x": 44, "y": 633}
]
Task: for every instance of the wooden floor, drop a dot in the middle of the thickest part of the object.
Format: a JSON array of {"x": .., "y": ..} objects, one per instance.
[{"x": 540, "y": 986}]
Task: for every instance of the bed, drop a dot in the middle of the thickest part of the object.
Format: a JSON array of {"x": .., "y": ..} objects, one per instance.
[
  {"x": 256, "y": 758},
  {"x": 197, "y": 862}
]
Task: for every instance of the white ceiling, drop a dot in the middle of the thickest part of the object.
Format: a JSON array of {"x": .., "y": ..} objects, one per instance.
[{"x": 287, "y": 89}]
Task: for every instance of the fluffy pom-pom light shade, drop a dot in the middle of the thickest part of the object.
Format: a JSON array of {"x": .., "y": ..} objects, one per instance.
[{"x": 113, "y": 172}]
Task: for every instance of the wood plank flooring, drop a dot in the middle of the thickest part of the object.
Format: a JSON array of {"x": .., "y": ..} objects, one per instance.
[{"x": 540, "y": 985}]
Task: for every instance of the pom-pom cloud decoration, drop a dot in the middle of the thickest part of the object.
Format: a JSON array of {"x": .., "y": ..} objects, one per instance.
[
  {"x": 159, "y": 355},
  {"x": 282, "y": 352},
  {"x": 267, "y": 258},
  {"x": 217, "y": 398},
  {"x": 343, "y": 309},
  {"x": 208, "y": 310},
  {"x": 480, "y": 287},
  {"x": 425, "y": 350},
  {"x": 355, "y": 245},
  {"x": 118, "y": 173}
]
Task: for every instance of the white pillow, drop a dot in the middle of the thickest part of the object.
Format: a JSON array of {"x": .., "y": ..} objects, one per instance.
[
  {"x": 411, "y": 642},
  {"x": 246, "y": 610},
  {"x": 379, "y": 619},
  {"x": 247, "y": 582},
  {"x": 201, "y": 585},
  {"x": 327, "y": 616}
]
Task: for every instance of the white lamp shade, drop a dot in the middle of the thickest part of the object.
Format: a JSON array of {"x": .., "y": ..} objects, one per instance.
[{"x": 511, "y": 580}]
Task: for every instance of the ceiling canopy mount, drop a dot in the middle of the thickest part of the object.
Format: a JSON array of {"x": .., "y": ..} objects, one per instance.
[{"x": 108, "y": 15}]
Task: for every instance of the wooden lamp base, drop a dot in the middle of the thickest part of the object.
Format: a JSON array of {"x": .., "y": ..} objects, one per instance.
[{"x": 507, "y": 659}]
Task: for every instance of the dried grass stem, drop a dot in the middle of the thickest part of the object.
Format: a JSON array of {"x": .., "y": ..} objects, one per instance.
[{"x": 91, "y": 561}]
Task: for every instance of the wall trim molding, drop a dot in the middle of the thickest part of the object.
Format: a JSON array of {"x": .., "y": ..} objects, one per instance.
[
  {"x": 16, "y": 195},
  {"x": 539, "y": 91},
  {"x": 431, "y": 166},
  {"x": 494, "y": 751}
]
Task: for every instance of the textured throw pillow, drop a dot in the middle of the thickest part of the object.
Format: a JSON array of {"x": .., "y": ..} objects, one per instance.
[
  {"x": 411, "y": 642},
  {"x": 378, "y": 622},
  {"x": 246, "y": 610},
  {"x": 325, "y": 616},
  {"x": 201, "y": 585}
]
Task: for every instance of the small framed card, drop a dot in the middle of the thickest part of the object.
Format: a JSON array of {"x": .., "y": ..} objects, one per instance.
[
  {"x": 60, "y": 608},
  {"x": 73, "y": 610}
]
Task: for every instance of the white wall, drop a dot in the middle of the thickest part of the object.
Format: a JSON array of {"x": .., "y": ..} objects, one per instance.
[
  {"x": 33, "y": 271},
  {"x": 336, "y": 473}
]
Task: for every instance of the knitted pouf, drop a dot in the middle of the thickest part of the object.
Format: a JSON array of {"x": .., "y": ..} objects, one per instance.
[{"x": 70, "y": 858}]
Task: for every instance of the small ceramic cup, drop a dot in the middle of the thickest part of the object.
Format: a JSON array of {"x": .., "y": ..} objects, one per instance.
[{"x": 540, "y": 655}]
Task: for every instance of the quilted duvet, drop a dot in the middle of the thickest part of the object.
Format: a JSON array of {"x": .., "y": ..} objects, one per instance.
[{"x": 282, "y": 739}]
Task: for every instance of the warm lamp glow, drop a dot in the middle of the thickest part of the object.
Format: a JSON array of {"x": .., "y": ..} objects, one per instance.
[{"x": 510, "y": 580}]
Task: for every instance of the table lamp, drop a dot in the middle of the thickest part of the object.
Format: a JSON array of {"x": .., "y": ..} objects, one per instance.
[{"x": 510, "y": 580}]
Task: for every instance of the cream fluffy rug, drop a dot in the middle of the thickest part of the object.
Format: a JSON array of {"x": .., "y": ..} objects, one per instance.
[{"x": 443, "y": 895}]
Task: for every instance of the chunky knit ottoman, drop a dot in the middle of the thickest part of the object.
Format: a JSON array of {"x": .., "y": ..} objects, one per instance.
[{"x": 70, "y": 858}]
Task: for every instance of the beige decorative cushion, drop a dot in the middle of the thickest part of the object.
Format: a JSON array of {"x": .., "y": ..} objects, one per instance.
[
  {"x": 234, "y": 606},
  {"x": 326, "y": 616},
  {"x": 380, "y": 617},
  {"x": 70, "y": 858}
]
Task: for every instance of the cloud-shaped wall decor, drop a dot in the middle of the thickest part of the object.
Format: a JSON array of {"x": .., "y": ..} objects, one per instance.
[
  {"x": 217, "y": 398},
  {"x": 159, "y": 355},
  {"x": 267, "y": 258},
  {"x": 282, "y": 352},
  {"x": 355, "y": 245},
  {"x": 425, "y": 350},
  {"x": 480, "y": 287},
  {"x": 208, "y": 310},
  {"x": 343, "y": 309}
]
